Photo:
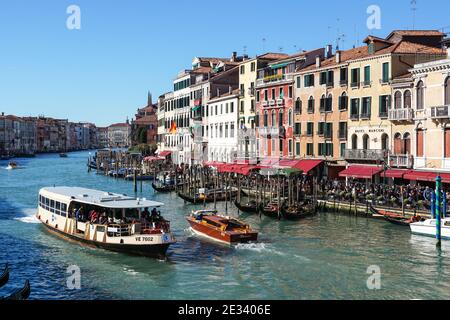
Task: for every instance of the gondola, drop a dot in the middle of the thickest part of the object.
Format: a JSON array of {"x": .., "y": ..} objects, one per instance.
[
  {"x": 270, "y": 210},
  {"x": 391, "y": 217},
  {"x": 399, "y": 221},
  {"x": 20, "y": 294},
  {"x": 63, "y": 155},
  {"x": 4, "y": 276},
  {"x": 297, "y": 212},
  {"x": 163, "y": 188},
  {"x": 209, "y": 198},
  {"x": 249, "y": 207}
]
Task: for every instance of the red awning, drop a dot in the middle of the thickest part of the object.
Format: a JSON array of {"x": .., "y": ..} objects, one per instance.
[
  {"x": 165, "y": 153},
  {"x": 152, "y": 159},
  {"x": 269, "y": 162},
  {"x": 426, "y": 176},
  {"x": 360, "y": 172},
  {"x": 396, "y": 173},
  {"x": 303, "y": 165}
]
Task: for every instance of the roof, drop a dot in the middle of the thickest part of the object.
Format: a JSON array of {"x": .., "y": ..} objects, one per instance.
[
  {"x": 98, "y": 198},
  {"x": 375, "y": 38},
  {"x": 406, "y": 47},
  {"x": 416, "y": 33},
  {"x": 273, "y": 56},
  {"x": 123, "y": 124},
  {"x": 346, "y": 55}
]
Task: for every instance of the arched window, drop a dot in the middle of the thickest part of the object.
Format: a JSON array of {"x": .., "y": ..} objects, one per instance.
[
  {"x": 266, "y": 119},
  {"x": 366, "y": 142},
  {"x": 280, "y": 118},
  {"x": 407, "y": 99},
  {"x": 322, "y": 103},
  {"x": 406, "y": 143},
  {"x": 311, "y": 105},
  {"x": 290, "y": 118},
  {"x": 398, "y": 142},
  {"x": 398, "y": 100},
  {"x": 343, "y": 101},
  {"x": 354, "y": 142},
  {"x": 329, "y": 103},
  {"x": 385, "y": 142},
  {"x": 420, "y": 104},
  {"x": 447, "y": 91},
  {"x": 298, "y": 106},
  {"x": 274, "y": 118}
]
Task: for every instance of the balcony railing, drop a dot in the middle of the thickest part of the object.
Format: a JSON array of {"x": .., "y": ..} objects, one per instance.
[
  {"x": 272, "y": 103},
  {"x": 405, "y": 114},
  {"x": 264, "y": 103},
  {"x": 280, "y": 102},
  {"x": 361, "y": 154},
  {"x": 354, "y": 116},
  {"x": 440, "y": 112},
  {"x": 272, "y": 131},
  {"x": 343, "y": 83},
  {"x": 401, "y": 160},
  {"x": 365, "y": 116},
  {"x": 274, "y": 78}
]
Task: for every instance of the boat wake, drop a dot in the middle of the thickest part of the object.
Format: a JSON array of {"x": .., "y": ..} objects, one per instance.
[
  {"x": 261, "y": 247},
  {"x": 29, "y": 216}
]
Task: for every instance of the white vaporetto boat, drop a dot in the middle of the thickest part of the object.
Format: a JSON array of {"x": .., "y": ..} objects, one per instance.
[
  {"x": 106, "y": 220},
  {"x": 428, "y": 228}
]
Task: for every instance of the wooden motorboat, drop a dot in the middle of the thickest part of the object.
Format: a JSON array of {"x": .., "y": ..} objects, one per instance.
[
  {"x": 20, "y": 294},
  {"x": 4, "y": 276},
  {"x": 163, "y": 188},
  {"x": 298, "y": 211},
  {"x": 249, "y": 207},
  {"x": 221, "y": 228}
]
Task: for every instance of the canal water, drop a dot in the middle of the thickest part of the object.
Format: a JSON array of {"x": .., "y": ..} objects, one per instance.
[{"x": 324, "y": 257}]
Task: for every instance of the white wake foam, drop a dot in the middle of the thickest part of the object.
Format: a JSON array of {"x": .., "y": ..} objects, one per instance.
[{"x": 30, "y": 216}]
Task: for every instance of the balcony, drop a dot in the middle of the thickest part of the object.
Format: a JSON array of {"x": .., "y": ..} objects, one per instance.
[
  {"x": 365, "y": 116},
  {"x": 280, "y": 102},
  {"x": 264, "y": 103},
  {"x": 251, "y": 91},
  {"x": 354, "y": 117},
  {"x": 276, "y": 78},
  {"x": 361, "y": 154},
  {"x": 404, "y": 114},
  {"x": 343, "y": 83},
  {"x": 440, "y": 112},
  {"x": 401, "y": 161},
  {"x": 272, "y": 103},
  {"x": 269, "y": 131}
]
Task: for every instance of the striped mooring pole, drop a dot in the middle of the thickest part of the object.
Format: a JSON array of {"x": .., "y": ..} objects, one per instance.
[
  {"x": 438, "y": 209},
  {"x": 433, "y": 205}
]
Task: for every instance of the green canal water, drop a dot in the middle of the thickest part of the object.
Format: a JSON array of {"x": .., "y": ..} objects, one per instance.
[{"x": 324, "y": 257}]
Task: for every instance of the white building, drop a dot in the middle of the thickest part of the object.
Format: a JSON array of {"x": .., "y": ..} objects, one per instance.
[
  {"x": 223, "y": 127},
  {"x": 119, "y": 135}
]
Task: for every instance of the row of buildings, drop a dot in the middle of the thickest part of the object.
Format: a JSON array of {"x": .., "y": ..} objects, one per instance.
[
  {"x": 29, "y": 135},
  {"x": 387, "y": 102}
]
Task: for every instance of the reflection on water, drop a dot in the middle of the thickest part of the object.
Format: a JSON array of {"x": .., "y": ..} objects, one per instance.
[{"x": 323, "y": 257}]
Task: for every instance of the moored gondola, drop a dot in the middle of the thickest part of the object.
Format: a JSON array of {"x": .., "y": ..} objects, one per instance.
[
  {"x": 250, "y": 207},
  {"x": 270, "y": 210},
  {"x": 208, "y": 198},
  {"x": 392, "y": 217},
  {"x": 20, "y": 294},
  {"x": 299, "y": 211},
  {"x": 4, "y": 276},
  {"x": 163, "y": 188}
]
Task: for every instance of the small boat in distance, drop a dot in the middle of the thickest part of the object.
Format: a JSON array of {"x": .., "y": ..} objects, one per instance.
[
  {"x": 163, "y": 188},
  {"x": 220, "y": 228},
  {"x": 298, "y": 211},
  {"x": 105, "y": 220},
  {"x": 21, "y": 293},
  {"x": 394, "y": 218},
  {"x": 11, "y": 166},
  {"x": 428, "y": 228},
  {"x": 249, "y": 207},
  {"x": 63, "y": 155}
]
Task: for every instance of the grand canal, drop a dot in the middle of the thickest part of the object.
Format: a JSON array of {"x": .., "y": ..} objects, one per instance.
[{"x": 324, "y": 257}]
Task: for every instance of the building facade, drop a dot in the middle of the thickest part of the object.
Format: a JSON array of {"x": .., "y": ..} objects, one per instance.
[{"x": 119, "y": 135}]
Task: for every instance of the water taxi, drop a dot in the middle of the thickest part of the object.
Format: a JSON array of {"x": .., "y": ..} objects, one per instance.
[
  {"x": 11, "y": 166},
  {"x": 105, "y": 220},
  {"x": 220, "y": 228},
  {"x": 428, "y": 228}
]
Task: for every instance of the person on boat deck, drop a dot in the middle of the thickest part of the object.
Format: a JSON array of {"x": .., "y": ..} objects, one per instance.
[
  {"x": 76, "y": 214},
  {"x": 155, "y": 215},
  {"x": 94, "y": 217},
  {"x": 145, "y": 214},
  {"x": 200, "y": 217}
]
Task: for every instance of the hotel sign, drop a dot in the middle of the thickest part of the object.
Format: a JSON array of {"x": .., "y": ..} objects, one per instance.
[{"x": 377, "y": 130}]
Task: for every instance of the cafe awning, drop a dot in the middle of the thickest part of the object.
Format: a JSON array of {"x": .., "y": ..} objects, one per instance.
[
  {"x": 165, "y": 153},
  {"x": 395, "y": 173},
  {"x": 269, "y": 162},
  {"x": 360, "y": 172},
  {"x": 153, "y": 159},
  {"x": 414, "y": 175}
]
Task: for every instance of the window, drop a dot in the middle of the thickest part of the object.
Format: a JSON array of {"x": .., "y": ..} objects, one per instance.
[
  {"x": 385, "y": 77},
  {"x": 273, "y": 94},
  {"x": 366, "y": 142},
  {"x": 355, "y": 77},
  {"x": 274, "y": 119},
  {"x": 266, "y": 95},
  {"x": 407, "y": 99},
  {"x": 320, "y": 130},
  {"x": 298, "y": 82},
  {"x": 330, "y": 78},
  {"x": 242, "y": 89},
  {"x": 309, "y": 149},
  {"x": 343, "y": 76},
  {"x": 281, "y": 93},
  {"x": 310, "y": 128},
  {"x": 328, "y": 130},
  {"x": 354, "y": 142},
  {"x": 297, "y": 128},
  {"x": 290, "y": 92},
  {"x": 298, "y": 106},
  {"x": 325, "y": 149},
  {"x": 398, "y": 100},
  {"x": 242, "y": 106},
  {"x": 253, "y": 67},
  {"x": 231, "y": 107},
  {"x": 281, "y": 145},
  {"x": 311, "y": 105},
  {"x": 343, "y": 130},
  {"x": 243, "y": 69},
  {"x": 297, "y": 148},
  {"x": 420, "y": 104},
  {"x": 309, "y": 80},
  {"x": 354, "y": 109},
  {"x": 447, "y": 91},
  {"x": 342, "y": 150},
  {"x": 322, "y": 104},
  {"x": 323, "y": 78},
  {"x": 367, "y": 76},
  {"x": 366, "y": 107},
  {"x": 290, "y": 146},
  {"x": 266, "y": 119},
  {"x": 384, "y": 106},
  {"x": 290, "y": 118},
  {"x": 343, "y": 102},
  {"x": 232, "y": 130},
  {"x": 329, "y": 103},
  {"x": 257, "y": 120},
  {"x": 280, "y": 118},
  {"x": 258, "y": 98}
]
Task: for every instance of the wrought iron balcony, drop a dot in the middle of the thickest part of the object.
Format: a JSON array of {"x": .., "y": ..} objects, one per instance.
[
  {"x": 404, "y": 114},
  {"x": 264, "y": 103},
  {"x": 365, "y": 154},
  {"x": 269, "y": 131},
  {"x": 274, "y": 79},
  {"x": 440, "y": 112},
  {"x": 401, "y": 161},
  {"x": 280, "y": 102}
]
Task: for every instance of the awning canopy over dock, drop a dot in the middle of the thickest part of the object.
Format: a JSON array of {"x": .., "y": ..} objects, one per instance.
[{"x": 360, "y": 172}]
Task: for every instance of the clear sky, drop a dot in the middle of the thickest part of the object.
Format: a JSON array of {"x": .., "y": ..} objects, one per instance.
[{"x": 102, "y": 72}]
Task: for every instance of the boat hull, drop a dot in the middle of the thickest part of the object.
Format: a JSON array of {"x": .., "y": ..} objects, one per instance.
[
  {"x": 220, "y": 236},
  {"x": 428, "y": 228},
  {"x": 153, "y": 251}
]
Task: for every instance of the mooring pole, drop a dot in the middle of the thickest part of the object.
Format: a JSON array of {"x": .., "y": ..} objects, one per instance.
[
  {"x": 438, "y": 210},
  {"x": 433, "y": 205}
]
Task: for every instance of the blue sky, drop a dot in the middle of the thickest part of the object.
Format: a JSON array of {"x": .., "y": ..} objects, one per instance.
[{"x": 102, "y": 72}]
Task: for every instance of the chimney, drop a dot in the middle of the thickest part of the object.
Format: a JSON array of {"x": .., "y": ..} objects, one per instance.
[
  {"x": 3, "y": 114},
  {"x": 234, "y": 57},
  {"x": 329, "y": 51},
  {"x": 317, "y": 61},
  {"x": 338, "y": 56}
]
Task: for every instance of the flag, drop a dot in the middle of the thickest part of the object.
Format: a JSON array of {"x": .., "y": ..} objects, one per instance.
[{"x": 173, "y": 128}]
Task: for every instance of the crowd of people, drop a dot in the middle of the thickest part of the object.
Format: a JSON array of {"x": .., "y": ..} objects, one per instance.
[{"x": 412, "y": 196}]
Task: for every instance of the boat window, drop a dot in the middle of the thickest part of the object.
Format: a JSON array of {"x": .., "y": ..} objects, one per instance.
[
  {"x": 132, "y": 213},
  {"x": 64, "y": 208},
  {"x": 447, "y": 223},
  {"x": 52, "y": 205},
  {"x": 58, "y": 205}
]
